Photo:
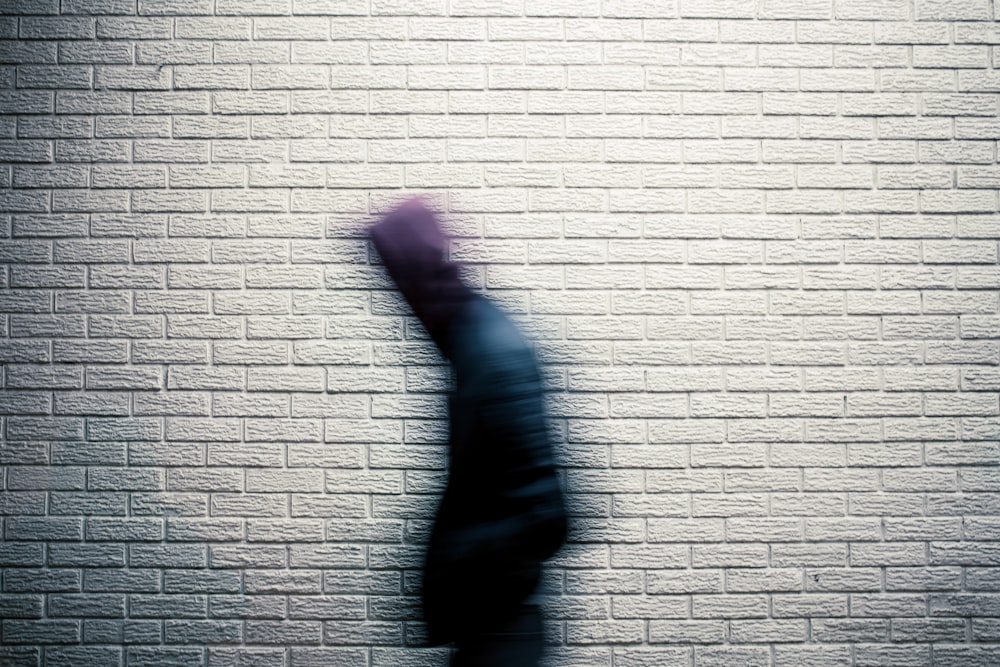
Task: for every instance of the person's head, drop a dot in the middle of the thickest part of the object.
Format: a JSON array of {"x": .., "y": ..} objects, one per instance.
[{"x": 414, "y": 250}]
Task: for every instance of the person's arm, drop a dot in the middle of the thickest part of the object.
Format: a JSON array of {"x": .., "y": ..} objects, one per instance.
[{"x": 530, "y": 518}]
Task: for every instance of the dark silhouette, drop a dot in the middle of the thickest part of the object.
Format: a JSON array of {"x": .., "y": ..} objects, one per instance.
[{"x": 502, "y": 513}]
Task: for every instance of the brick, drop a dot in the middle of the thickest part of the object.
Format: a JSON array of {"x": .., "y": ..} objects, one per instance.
[{"x": 696, "y": 632}]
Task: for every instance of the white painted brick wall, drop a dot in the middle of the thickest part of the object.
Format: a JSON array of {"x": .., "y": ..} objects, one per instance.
[{"x": 756, "y": 241}]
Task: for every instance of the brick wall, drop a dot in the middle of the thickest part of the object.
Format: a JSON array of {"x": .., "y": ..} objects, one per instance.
[{"x": 756, "y": 241}]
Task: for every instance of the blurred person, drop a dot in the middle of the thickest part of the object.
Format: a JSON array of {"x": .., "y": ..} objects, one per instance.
[{"x": 502, "y": 513}]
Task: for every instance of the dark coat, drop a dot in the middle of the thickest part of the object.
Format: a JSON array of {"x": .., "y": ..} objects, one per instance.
[{"x": 502, "y": 513}]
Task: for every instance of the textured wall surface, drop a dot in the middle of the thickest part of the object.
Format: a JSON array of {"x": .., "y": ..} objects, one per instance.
[{"x": 755, "y": 240}]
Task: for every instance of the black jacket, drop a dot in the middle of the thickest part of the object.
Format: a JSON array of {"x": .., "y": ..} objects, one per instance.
[{"x": 502, "y": 513}]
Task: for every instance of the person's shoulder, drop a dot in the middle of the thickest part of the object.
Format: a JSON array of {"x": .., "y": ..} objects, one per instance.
[
  {"x": 485, "y": 330},
  {"x": 487, "y": 342}
]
